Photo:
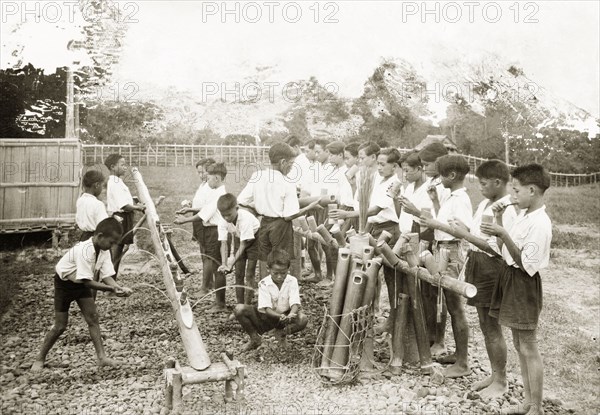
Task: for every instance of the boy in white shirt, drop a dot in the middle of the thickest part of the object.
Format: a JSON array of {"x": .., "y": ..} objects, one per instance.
[
  {"x": 453, "y": 169},
  {"x": 119, "y": 203},
  {"x": 243, "y": 225},
  {"x": 209, "y": 242},
  {"x": 278, "y": 304},
  {"x": 74, "y": 281},
  {"x": 415, "y": 196},
  {"x": 90, "y": 211},
  {"x": 517, "y": 299}
]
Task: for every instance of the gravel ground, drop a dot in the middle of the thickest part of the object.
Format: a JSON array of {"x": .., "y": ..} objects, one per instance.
[{"x": 142, "y": 331}]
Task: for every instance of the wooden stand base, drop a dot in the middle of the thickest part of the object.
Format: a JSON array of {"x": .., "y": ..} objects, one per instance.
[{"x": 229, "y": 371}]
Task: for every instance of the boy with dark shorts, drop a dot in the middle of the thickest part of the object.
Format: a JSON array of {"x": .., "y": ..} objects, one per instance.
[
  {"x": 119, "y": 203},
  {"x": 273, "y": 197},
  {"x": 278, "y": 304},
  {"x": 517, "y": 299},
  {"x": 243, "y": 225},
  {"x": 209, "y": 242},
  {"x": 90, "y": 210},
  {"x": 74, "y": 281}
]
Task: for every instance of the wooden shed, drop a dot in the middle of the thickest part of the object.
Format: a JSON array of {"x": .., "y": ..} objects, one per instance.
[{"x": 40, "y": 184}]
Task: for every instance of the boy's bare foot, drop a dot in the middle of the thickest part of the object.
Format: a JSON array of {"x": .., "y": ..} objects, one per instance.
[
  {"x": 217, "y": 308},
  {"x": 326, "y": 282},
  {"x": 385, "y": 327},
  {"x": 37, "y": 366},
  {"x": 535, "y": 410},
  {"x": 252, "y": 344},
  {"x": 281, "y": 338},
  {"x": 448, "y": 359},
  {"x": 437, "y": 350},
  {"x": 106, "y": 361},
  {"x": 481, "y": 384},
  {"x": 517, "y": 409},
  {"x": 457, "y": 371},
  {"x": 494, "y": 390},
  {"x": 313, "y": 279}
]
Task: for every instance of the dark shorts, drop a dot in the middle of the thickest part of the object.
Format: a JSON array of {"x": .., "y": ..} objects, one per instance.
[
  {"x": 127, "y": 224},
  {"x": 275, "y": 233},
  {"x": 517, "y": 299},
  {"x": 251, "y": 251},
  {"x": 210, "y": 247},
  {"x": 389, "y": 226},
  {"x": 65, "y": 292},
  {"x": 85, "y": 235},
  {"x": 483, "y": 272},
  {"x": 266, "y": 322},
  {"x": 197, "y": 229}
]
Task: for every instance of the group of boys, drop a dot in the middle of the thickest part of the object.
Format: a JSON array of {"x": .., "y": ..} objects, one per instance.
[{"x": 513, "y": 242}]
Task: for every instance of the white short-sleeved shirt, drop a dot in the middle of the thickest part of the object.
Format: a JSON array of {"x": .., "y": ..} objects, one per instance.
[
  {"x": 335, "y": 182},
  {"x": 269, "y": 296},
  {"x": 532, "y": 233},
  {"x": 208, "y": 212},
  {"x": 80, "y": 263},
  {"x": 379, "y": 198},
  {"x": 89, "y": 212},
  {"x": 199, "y": 199},
  {"x": 271, "y": 194},
  {"x": 485, "y": 208},
  {"x": 244, "y": 228},
  {"x": 117, "y": 195},
  {"x": 458, "y": 206},
  {"x": 420, "y": 198},
  {"x": 300, "y": 170}
]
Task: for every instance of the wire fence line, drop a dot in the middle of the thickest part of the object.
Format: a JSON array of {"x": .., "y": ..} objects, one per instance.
[{"x": 174, "y": 155}]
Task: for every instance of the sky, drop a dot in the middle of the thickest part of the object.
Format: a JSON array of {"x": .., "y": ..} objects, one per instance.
[{"x": 189, "y": 44}]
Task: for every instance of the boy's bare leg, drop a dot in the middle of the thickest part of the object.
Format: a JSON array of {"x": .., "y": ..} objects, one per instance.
[
  {"x": 240, "y": 271},
  {"x": 90, "y": 314},
  {"x": 313, "y": 252},
  {"x": 208, "y": 271},
  {"x": 245, "y": 315},
  {"x": 436, "y": 331},
  {"x": 60, "y": 325},
  {"x": 532, "y": 369},
  {"x": 495, "y": 385},
  {"x": 117, "y": 252},
  {"x": 298, "y": 324},
  {"x": 389, "y": 275},
  {"x": 460, "y": 330},
  {"x": 220, "y": 283},
  {"x": 250, "y": 280}
]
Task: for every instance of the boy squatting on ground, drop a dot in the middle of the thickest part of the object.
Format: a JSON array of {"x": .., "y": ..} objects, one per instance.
[
  {"x": 452, "y": 169},
  {"x": 209, "y": 237},
  {"x": 517, "y": 298},
  {"x": 243, "y": 225},
  {"x": 278, "y": 304},
  {"x": 119, "y": 203},
  {"x": 74, "y": 281},
  {"x": 90, "y": 211}
]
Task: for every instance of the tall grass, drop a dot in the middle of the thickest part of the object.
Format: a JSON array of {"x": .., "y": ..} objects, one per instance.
[{"x": 365, "y": 189}]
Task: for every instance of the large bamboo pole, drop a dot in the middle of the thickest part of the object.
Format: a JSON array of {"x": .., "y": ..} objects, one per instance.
[{"x": 190, "y": 335}]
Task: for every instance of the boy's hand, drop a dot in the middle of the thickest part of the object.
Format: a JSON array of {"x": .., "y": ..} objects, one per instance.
[
  {"x": 183, "y": 211},
  {"x": 291, "y": 317},
  {"x": 179, "y": 221},
  {"x": 123, "y": 291},
  {"x": 427, "y": 222},
  {"x": 409, "y": 207},
  {"x": 140, "y": 206},
  {"x": 315, "y": 205},
  {"x": 457, "y": 223},
  {"x": 499, "y": 207},
  {"x": 492, "y": 229},
  {"x": 223, "y": 268},
  {"x": 337, "y": 214}
]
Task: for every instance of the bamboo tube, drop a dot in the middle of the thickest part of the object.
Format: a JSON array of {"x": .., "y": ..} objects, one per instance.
[
  {"x": 368, "y": 253},
  {"x": 354, "y": 296},
  {"x": 400, "y": 315},
  {"x": 385, "y": 236},
  {"x": 339, "y": 237},
  {"x": 419, "y": 324},
  {"x": 336, "y": 304},
  {"x": 192, "y": 340},
  {"x": 326, "y": 235},
  {"x": 448, "y": 283},
  {"x": 312, "y": 223},
  {"x": 303, "y": 223},
  {"x": 386, "y": 252},
  {"x": 373, "y": 266}
]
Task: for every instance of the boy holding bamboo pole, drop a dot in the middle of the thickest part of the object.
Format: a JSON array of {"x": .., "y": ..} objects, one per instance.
[{"x": 452, "y": 169}]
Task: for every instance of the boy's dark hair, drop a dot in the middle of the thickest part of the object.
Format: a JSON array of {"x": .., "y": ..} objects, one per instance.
[
  {"x": 311, "y": 144},
  {"x": 453, "y": 163},
  {"x": 532, "y": 174},
  {"x": 278, "y": 257},
  {"x": 91, "y": 177},
  {"x": 112, "y": 159},
  {"x": 493, "y": 169},
  {"x": 281, "y": 151},
  {"x": 335, "y": 148},
  {"x": 393, "y": 155},
  {"x": 352, "y": 148},
  {"x": 293, "y": 141},
  {"x": 218, "y": 169},
  {"x": 432, "y": 152},
  {"x": 205, "y": 162},
  {"x": 109, "y": 226},
  {"x": 412, "y": 159},
  {"x": 322, "y": 142},
  {"x": 226, "y": 202},
  {"x": 370, "y": 148}
]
